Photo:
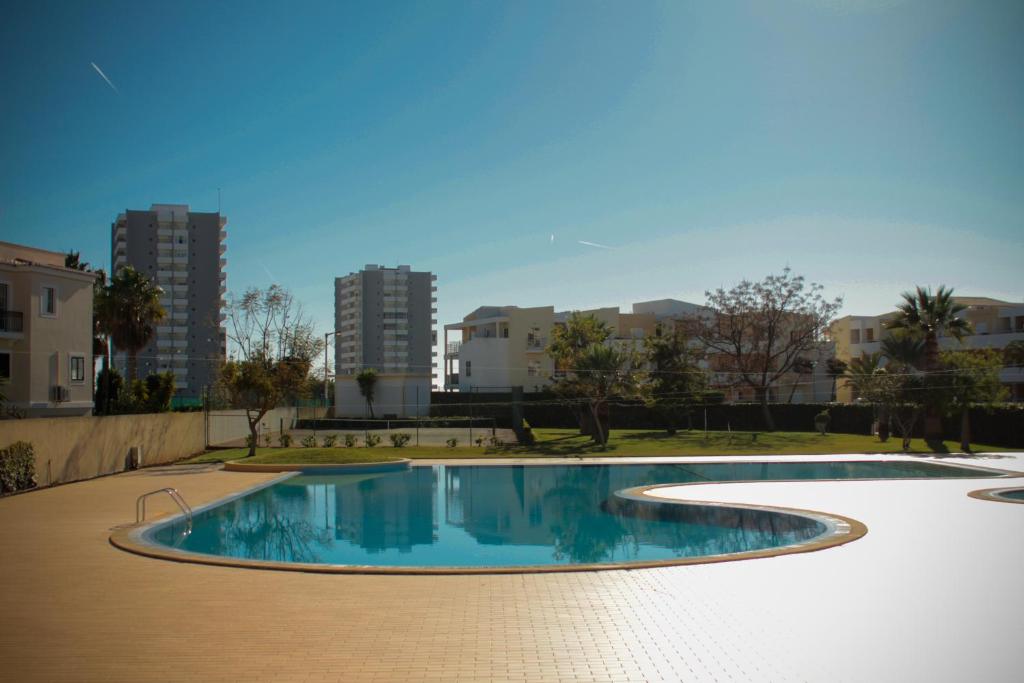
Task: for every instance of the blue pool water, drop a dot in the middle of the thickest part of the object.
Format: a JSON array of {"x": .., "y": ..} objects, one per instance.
[{"x": 481, "y": 516}]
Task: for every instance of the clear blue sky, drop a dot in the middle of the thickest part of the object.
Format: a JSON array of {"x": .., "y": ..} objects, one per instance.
[{"x": 870, "y": 145}]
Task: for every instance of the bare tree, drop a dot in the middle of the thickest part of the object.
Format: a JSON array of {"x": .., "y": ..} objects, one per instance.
[
  {"x": 276, "y": 344},
  {"x": 756, "y": 332}
]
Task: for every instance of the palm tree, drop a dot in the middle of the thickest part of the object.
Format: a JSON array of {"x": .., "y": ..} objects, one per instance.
[
  {"x": 860, "y": 373},
  {"x": 367, "y": 381},
  {"x": 127, "y": 310},
  {"x": 801, "y": 366},
  {"x": 601, "y": 372},
  {"x": 927, "y": 317},
  {"x": 836, "y": 368},
  {"x": 904, "y": 350}
]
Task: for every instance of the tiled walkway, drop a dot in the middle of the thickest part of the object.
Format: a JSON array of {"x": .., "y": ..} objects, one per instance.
[{"x": 933, "y": 592}]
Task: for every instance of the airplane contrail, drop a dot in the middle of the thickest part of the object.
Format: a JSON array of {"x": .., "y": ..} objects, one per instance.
[
  {"x": 595, "y": 244},
  {"x": 104, "y": 77}
]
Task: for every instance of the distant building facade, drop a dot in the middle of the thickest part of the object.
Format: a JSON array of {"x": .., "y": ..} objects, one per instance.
[
  {"x": 996, "y": 323},
  {"x": 384, "y": 320},
  {"x": 498, "y": 347},
  {"x": 495, "y": 348},
  {"x": 45, "y": 334},
  {"x": 183, "y": 252}
]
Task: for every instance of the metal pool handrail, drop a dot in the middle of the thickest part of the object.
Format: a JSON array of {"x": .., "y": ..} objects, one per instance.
[{"x": 140, "y": 506}]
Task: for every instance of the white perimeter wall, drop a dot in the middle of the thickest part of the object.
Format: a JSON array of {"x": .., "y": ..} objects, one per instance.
[{"x": 393, "y": 395}]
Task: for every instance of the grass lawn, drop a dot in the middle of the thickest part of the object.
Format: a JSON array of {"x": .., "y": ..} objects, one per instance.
[{"x": 623, "y": 442}]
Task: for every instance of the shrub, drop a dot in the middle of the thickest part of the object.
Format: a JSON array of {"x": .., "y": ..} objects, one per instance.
[
  {"x": 17, "y": 467},
  {"x": 494, "y": 442},
  {"x": 330, "y": 440},
  {"x": 309, "y": 441},
  {"x": 480, "y": 441},
  {"x": 266, "y": 439},
  {"x": 285, "y": 440},
  {"x": 372, "y": 440},
  {"x": 822, "y": 420},
  {"x": 351, "y": 440},
  {"x": 452, "y": 442},
  {"x": 399, "y": 440}
]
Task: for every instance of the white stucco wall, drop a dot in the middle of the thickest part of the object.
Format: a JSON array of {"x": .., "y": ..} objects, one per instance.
[{"x": 401, "y": 395}]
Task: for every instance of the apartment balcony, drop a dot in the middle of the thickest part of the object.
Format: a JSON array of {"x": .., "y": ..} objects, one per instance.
[
  {"x": 452, "y": 350},
  {"x": 179, "y": 343},
  {"x": 223, "y": 248},
  {"x": 164, "y": 246},
  {"x": 120, "y": 233},
  {"x": 223, "y": 276},
  {"x": 12, "y": 322},
  {"x": 164, "y": 232},
  {"x": 223, "y": 262},
  {"x": 223, "y": 235}
]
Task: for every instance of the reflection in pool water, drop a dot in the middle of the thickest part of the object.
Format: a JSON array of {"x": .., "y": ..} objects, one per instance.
[{"x": 508, "y": 515}]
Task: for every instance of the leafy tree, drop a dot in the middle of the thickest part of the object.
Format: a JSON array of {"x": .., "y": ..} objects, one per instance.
[
  {"x": 568, "y": 344},
  {"x": 972, "y": 377},
  {"x": 925, "y": 316},
  {"x": 676, "y": 380},
  {"x": 367, "y": 381},
  {"x": 128, "y": 309},
  {"x": 601, "y": 373},
  {"x": 276, "y": 345},
  {"x": 836, "y": 368},
  {"x": 1013, "y": 354},
  {"x": 757, "y": 331},
  {"x": 570, "y": 341}
]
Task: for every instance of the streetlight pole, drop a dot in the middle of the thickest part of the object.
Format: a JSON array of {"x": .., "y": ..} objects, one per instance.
[{"x": 327, "y": 335}]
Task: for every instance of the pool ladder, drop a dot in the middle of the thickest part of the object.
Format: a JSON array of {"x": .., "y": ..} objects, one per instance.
[{"x": 140, "y": 507}]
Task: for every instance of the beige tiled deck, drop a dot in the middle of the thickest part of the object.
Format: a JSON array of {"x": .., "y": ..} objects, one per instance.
[{"x": 933, "y": 592}]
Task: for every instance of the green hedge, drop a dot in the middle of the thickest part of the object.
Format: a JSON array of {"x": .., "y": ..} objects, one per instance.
[
  {"x": 999, "y": 426},
  {"x": 17, "y": 467}
]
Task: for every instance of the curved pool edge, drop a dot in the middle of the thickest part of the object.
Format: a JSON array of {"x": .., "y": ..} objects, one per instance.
[
  {"x": 350, "y": 468},
  {"x": 996, "y": 495},
  {"x": 839, "y": 531}
]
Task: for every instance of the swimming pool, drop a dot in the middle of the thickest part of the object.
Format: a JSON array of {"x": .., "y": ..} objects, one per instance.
[{"x": 508, "y": 517}]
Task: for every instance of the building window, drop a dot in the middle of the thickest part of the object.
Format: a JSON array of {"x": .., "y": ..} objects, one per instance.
[
  {"x": 469, "y": 369},
  {"x": 855, "y": 336},
  {"x": 5, "y": 365},
  {"x": 77, "y": 368},
  {"x": 48, "y": 302},
  {"x": 869, "y": 334}
]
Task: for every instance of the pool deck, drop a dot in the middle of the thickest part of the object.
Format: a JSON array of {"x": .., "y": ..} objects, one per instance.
[{"x": 933, "y": 592}]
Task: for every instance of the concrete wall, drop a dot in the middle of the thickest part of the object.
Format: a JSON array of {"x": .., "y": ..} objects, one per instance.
[
  {"x": 231, "y": 427},
  {"x": 73, "y": 448},
  {"x": 393, "y": 395}
]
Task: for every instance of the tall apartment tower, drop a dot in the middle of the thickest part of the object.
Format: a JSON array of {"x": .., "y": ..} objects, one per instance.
[
  {"x": 384, "y": 318},
  {"x": 183, "y": 252}
]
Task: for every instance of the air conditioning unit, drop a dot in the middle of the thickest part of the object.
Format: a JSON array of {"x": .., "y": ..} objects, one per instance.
[{"x": 59, "y": 393}]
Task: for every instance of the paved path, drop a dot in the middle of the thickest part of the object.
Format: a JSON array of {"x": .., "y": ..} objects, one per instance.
[{"x": 933, "y": 592}]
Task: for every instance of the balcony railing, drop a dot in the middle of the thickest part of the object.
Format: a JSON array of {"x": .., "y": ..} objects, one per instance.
[
  {"x": 536, "y": 343},
  {"x": 12, "y": 321},
  {"x": 452, "y": 350}
]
